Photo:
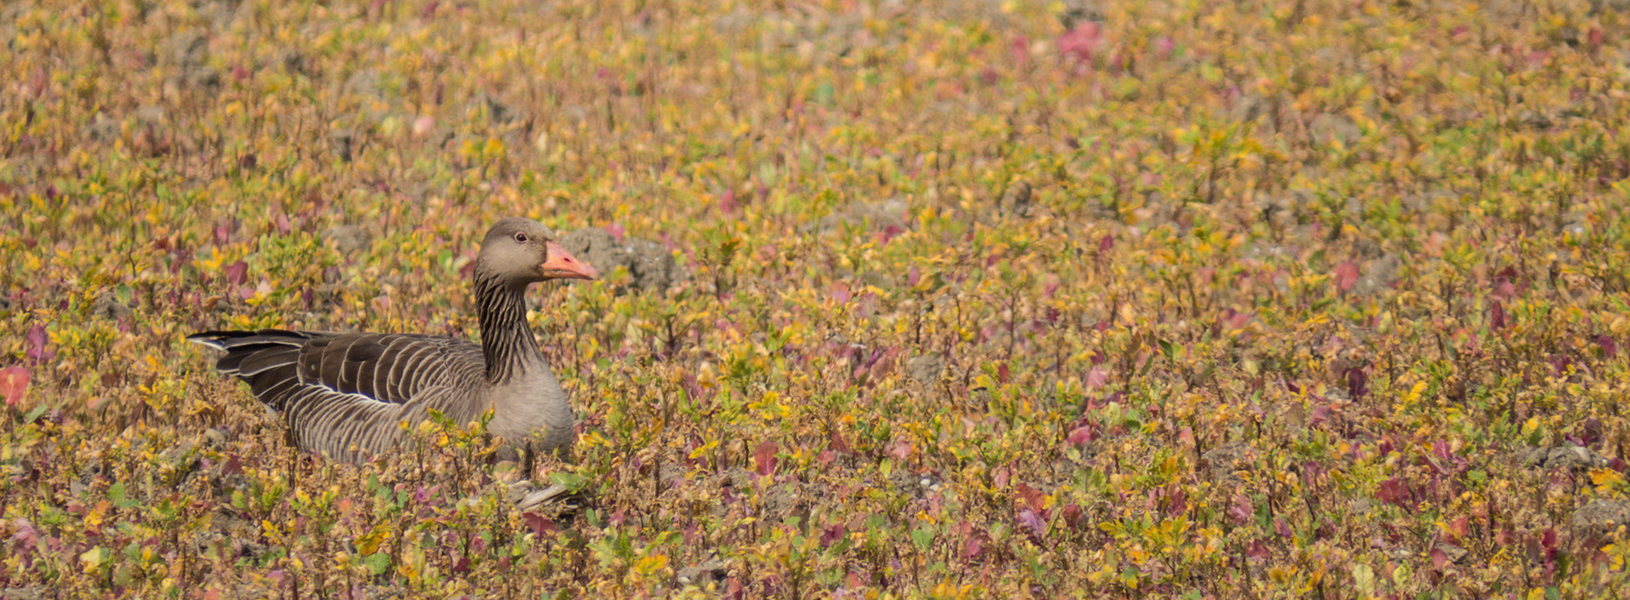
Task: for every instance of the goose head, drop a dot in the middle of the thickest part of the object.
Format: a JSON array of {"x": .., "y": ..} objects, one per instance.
[{"x": 523, "y": 251}]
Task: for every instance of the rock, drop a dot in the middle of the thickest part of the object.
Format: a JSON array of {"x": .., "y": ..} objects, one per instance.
[
  {"x": 497, "y": 111},
  {"x": 1224, "y": 460},
  {"x": 1573, "y": 458},
  {"x": 878, "y": 216},
  {"x": 188, "y": 52},
  {"x": 348, "y": 239},
  {"x": 108, "y": 306},
  {"x": 925, "y": 369},
  {"x": 214, "y": 438},
  {"x": 1015, "y": 200},
  {"x": 24, "y": 593},
  {"x": 792, "y": 498},
  {"x": 342, "y": 143},
  {"x": 650, "y": 265},
  {"x": 916, "y": 485},
  {"x": 713, "y": 570},
  {"x": 1602, "y": 517}
]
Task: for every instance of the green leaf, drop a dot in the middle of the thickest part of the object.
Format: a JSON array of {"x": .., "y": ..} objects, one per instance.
[
  {"x": 923, "y": 537},
  {"x": 378, "y": 562}
]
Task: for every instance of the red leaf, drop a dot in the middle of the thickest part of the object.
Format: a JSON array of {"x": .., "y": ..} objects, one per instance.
[
  {"x": 913, "y": 276},
  {"x": 1439, "y": 559},
  {"x": 1032, "y": 497},
  {"x": 832, "y": 534},
  {"x": 13, "y": 384},
  {"x": 1346, "y": 275},
  {"x": 1106, "y": 243},
  {"x": 1497, "y": 320},
  {"x": 826, "y": 457},
  {"x": 838, "y": 443},
  {"x": 539, "y": 524},
  {"x": 1358, "y": 382},
  {"x": 1395, "y": 491},
  {"x": 236, "y": 273},
  {"x": 1073, "y": 515},
  {"x": 764, "y": 457},
  {"x": 727, "y": 202},
  {"x": 1258, "y": 550}
]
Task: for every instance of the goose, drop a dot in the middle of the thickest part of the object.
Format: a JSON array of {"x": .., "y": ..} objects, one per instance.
[{"x": 346, "y": 395}]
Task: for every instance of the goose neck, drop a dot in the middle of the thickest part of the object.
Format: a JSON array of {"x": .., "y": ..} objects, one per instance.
[{"x": 506, "y": 339}]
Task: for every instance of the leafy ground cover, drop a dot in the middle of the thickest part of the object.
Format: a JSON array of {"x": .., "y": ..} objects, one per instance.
[{"x": 986, "y": 299}]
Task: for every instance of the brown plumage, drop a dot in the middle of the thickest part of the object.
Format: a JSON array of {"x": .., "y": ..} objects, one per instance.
[{"x": 346, "y": 394}]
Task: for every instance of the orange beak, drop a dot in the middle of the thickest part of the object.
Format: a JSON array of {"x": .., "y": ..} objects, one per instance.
[{"x": 562, "y": 265}]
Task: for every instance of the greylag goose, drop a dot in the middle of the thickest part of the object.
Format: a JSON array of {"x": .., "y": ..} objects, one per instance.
[{"x": 346, "y": 394}]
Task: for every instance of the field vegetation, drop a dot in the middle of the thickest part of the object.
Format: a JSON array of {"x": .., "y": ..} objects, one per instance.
[{"x": 965, "y": 299}]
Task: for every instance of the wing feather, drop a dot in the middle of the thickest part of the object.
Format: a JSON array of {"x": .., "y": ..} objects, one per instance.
[{"x": 341, "y": 392}]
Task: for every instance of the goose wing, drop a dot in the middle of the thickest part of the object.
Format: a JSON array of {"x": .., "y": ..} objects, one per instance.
[{"x": 347, "y": 392}]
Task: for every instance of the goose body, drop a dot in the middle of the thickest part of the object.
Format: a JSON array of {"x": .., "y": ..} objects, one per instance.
[{"x": 346, "y": 395}]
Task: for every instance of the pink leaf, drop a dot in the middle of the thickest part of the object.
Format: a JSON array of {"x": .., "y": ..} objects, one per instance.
[
  {"x": 974, "y": 545},
  {"x": 36, "y": 345},
  {"x": 616, "y": 230},
  {"x": 1240, "y": 510},
  {"x": 1164, "y": 46},
  {"x": 901, "y": 449},
  {"x": 1081, "y": 435},
  {"x": 1081, "y": 42},
  {"x": 13, "y": 384},
  {"x": 1346, "y": 275},
  {"x": 1097, "y": 377},
  {"x": 727, "y": 202},
  {"x": 840, "y": 292},
  {"x": 1019, "y": 50},
  {"x": 913, "y": 276},
  {"x": 1033, "y": 525}
]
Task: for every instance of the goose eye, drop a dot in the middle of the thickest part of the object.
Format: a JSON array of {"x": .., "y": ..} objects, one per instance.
[{"x": 520, "y": 237}]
